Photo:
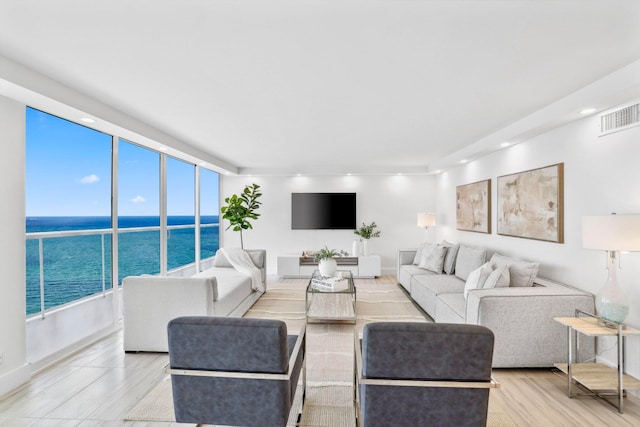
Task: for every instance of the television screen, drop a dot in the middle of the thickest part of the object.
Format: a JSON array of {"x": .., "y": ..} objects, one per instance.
[{"x": 314, "y": 211}]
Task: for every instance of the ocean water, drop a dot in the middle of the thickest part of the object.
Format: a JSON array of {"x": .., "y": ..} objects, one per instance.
[{"x": 73, "y": 266}]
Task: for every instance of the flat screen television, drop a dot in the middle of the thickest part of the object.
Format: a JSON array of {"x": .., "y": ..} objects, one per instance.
[{"x": 323, "y": 211}]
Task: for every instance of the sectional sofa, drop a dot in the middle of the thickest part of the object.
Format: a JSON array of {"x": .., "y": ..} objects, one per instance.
[
  {"x": 150, "y": 302},
  {"x": 516, "y": 305}
]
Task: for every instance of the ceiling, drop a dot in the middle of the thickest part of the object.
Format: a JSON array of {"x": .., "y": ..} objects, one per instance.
[{"x": 359, "y": 86}]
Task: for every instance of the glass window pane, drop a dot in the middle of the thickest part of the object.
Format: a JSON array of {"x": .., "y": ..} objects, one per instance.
[
  {"x": 138, "y": 207},
  {"x": 180, "y": 212},
  {"x": 68, "y": 187},
  {"x": 209, "y": 213}
]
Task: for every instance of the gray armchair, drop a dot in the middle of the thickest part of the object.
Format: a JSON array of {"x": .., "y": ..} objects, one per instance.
[
  {"x": 423, "y": 374},
  {"x": 234, "y": 371}
]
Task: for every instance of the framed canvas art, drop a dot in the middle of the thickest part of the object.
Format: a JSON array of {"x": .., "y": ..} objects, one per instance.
[
  {"x": 473, "y": 207},
  {"x": 530, "y": 204}
]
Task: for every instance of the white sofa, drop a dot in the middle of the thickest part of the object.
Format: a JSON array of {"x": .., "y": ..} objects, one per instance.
[
  {"x": 150, "y": 302},
  {"x": 521, "y": 317}
]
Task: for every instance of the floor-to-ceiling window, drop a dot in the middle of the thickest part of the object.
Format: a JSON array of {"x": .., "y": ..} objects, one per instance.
[
  {"x": 180, "y": 213},
  {"x": 138, "y": 210},
  {"x": 69, "y": 228},
  {"x": 209, "y": 208},
  {"x": 68, "y": 211}
]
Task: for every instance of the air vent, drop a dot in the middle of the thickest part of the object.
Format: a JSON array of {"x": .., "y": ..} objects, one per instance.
[{"x": 621, "y": 119}]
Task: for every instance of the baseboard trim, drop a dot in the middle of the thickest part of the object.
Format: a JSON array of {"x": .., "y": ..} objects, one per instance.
[{"x": 10, "y": 381}]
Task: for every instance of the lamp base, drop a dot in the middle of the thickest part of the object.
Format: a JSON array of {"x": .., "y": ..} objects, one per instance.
[{"x": 611, "y": 303}]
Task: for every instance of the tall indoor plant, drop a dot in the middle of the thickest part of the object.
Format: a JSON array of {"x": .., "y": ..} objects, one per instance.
[{"x": 239, "y": 209}]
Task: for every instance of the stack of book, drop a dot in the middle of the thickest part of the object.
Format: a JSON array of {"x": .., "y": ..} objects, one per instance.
[{"x": 327, "y": 283}]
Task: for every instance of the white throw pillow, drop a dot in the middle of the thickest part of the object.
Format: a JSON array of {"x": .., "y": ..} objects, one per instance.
[
  {"x": 418, "y": 255},
  {"x": 433, "y": 258},
  {"x": 522, "y": 273},
  {"x": 477, "y": 278},
  {"x": 499, "y": 278}
]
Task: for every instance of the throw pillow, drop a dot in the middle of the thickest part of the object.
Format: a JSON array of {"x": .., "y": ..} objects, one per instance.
[
  {"x": 450, "y": 258},
  {"x": 468, "y": 259},
  {"x": 433, "y": 258},
  {"x": 418, "y": 256},
  {"x": 499, "y": 278},
  {"x": 523, "y": 273},
  {"x": 477, "y": 278}
]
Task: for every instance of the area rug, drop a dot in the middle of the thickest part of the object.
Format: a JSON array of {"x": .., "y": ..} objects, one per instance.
[{"x": 329, "y": 353}]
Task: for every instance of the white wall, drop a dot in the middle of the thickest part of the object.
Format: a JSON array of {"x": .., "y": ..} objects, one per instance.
[
  {"x": 13, "y": 371},
  {"x": 391, "y": 201},
  {"x": 601, "y": 176}
]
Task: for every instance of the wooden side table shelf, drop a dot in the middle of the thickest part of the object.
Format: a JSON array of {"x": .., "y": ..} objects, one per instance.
[{"x": 599, "y": 379}]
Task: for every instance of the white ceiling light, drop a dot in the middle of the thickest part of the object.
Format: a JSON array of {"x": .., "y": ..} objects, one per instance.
[
  {"x": 464, "y": 161},
  {"x": 505, "y": 144},
  {"x": 87, "y": 120},
  {"x": 588, "y": 111}
]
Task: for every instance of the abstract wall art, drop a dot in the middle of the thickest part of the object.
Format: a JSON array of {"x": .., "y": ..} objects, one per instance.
[
  {"x": 473, "y": 207},
  {"x": 530, "y": 204}
]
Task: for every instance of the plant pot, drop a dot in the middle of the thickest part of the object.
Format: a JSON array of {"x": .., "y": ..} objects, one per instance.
[{"x": 328, "y": 267}]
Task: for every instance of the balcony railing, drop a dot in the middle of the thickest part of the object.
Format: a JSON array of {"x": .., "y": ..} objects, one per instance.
[{"x": 74, "y": 269}]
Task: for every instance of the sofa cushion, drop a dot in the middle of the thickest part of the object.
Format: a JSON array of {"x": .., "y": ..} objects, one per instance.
[
  {"x": 426, "y": 288},
  {"x": 433, "y": 258},
  {"x": 477, "y": 278},
  {"x": 499, "y": 278},
  {"x": 450, "y": 308},
  {"x": 469, "y": 259},
  {"x": 407, "y": 272},
  {"x": 522, "y": 273},
  {"x": 450, "y": 257}
]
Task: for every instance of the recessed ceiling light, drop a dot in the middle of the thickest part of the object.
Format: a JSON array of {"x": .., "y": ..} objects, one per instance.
[
  {"x": 505, "y": 144},
  {"x": 348, "y": 173},
  {"x": 162, "y": 148},
  {"x": 588, "y": 111},
  {"x": 87, "y": 120},
  {"x": 437, "y": 171},
  {"x": 298, "y": 174},
  {"x": 464, "y": 161}
]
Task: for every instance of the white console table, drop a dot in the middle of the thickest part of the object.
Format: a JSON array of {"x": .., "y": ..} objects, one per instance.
[{"x": 295, "y": 266}]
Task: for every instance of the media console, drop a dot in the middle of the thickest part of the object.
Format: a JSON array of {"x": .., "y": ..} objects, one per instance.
[{"x": 295, "y": 266}]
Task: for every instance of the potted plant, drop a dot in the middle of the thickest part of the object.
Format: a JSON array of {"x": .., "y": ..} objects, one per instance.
[
  {"x": 367, "y": 232},
  {"x": 327, "y": 263},
  {"x": 241, "y": 208}
]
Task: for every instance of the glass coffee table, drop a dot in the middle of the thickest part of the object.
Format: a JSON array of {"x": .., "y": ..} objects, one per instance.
[{"x": 331, "y": 299}]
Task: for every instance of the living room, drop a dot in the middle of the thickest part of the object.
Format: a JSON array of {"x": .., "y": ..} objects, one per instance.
[{"x": 600, "y": 172}]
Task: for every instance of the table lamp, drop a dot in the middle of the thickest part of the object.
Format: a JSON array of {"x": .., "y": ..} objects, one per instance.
[
  {"x": 611, "y": 233},
  {"x": 426, "y": 220}
]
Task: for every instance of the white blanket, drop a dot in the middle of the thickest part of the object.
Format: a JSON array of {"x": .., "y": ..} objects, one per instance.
[{"x": 242, "y": 262}]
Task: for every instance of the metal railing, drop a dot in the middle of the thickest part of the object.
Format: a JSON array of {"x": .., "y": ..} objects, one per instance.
[{"x": 41, "y": 236}]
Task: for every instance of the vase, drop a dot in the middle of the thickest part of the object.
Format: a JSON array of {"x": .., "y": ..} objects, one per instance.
[
  {"x": 365, "y": 247},
  {"x": 328, "y": 267},
  {"x": 611, "y": 303},
  {"x": 356, "y": 248}
]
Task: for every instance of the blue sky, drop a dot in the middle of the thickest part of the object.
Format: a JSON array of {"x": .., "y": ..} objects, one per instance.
[{"x": 69, "y": 174}]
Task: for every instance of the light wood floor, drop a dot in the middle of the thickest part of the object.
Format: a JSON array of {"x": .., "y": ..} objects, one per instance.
[{"x": 100, "y": 384}]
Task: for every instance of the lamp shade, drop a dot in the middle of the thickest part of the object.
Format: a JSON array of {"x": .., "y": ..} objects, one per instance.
[
  {"x": 611, "y": 232},
  {"x": 426, "y": 219}
]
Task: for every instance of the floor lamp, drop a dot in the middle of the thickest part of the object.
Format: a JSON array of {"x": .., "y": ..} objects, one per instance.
[{"x": 613, "y": 234}]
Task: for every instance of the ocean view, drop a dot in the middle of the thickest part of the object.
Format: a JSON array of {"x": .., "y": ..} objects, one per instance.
[{"x": 73, "y": 266}]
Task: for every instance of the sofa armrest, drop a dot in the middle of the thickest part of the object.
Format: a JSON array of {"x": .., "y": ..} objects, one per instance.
[
  {"x": 405, "y": 257},
  {"x": 522, "y": 319},
  {"x": 150, "y": 302}
]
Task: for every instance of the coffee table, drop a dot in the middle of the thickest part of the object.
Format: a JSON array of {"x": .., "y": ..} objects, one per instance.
[{"x": 331, "y": 304}]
